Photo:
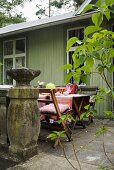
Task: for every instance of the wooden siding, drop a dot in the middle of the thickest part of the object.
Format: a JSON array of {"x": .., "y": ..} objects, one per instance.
[
  {"x": 106, "y": 104},
  {"x": 46, "y": 53}
]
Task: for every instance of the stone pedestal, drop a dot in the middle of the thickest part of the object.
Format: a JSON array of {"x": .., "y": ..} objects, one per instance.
[
  {"x": 4, "y": 102},
  {"x": 23, "y": 119}
]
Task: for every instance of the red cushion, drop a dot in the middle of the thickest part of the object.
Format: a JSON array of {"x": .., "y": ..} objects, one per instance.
[
  {"x": 71, "y": 88},
  {"x": 51, "y": 108}
]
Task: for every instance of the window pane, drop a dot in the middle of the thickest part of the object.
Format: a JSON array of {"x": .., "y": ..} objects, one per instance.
[
  {"x": 20, "y": 62},
  {"x": 8, "y": 48},
  {"x": 76, "y": 33},
  {"x": 8, "y": 64},
  {"x": 81, "y": 33},
  {"x": 20, "y": 46}
]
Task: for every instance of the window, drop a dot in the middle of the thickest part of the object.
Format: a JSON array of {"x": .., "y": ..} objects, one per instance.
[
  {"x": 8, "y": 48},
  {"x": 20, "y": 46},
  {"x": 14, "y": 56},
  {"x": 75, "y": 32}
]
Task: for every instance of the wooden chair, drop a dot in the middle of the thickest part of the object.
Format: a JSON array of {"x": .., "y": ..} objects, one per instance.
[{"x": 51, "y": 118}]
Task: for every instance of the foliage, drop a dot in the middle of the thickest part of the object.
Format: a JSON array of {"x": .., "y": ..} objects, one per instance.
[
  {"x": 96, "y": 47},
  {"x": 66, "y": 117},
  {"x": 95, "y": 50},
  {"x": 8, "y": 12},
  {"x": 55, "y": 6},
  {"x": 56, "y": 135}
]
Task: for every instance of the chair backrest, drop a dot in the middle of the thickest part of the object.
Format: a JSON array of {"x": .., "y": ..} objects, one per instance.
[
  {"x": 52, "y": 98},
  {"x": 92, "y": 90}
]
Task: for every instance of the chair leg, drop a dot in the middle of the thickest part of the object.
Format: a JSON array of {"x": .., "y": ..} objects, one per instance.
[
  {"x": 68, "y": 134},
  {"x": 67, "y": 131}
]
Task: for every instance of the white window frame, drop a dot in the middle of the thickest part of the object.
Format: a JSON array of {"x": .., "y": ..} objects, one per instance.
[
  {"x": 14, "y": 55},
  {"x": 72, "y": 48}
]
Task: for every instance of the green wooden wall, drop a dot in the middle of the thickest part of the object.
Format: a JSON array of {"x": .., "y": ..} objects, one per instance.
[{"x": 46, "y": 53}]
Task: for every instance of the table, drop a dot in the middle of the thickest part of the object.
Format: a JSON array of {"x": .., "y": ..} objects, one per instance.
[{"x": 77, "y": 102}]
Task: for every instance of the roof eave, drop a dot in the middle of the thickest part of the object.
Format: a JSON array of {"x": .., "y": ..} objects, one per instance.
[{"x": 74, "y": 18}]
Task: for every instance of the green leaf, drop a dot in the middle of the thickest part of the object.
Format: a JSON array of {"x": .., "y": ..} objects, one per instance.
[
  {"x": 97, "y": 18},
  {"x": 68, "y": 77},
  {"x": 87, "y": 8},
  {"x": 102, "y": 6},
  {"x": 66, "y": 117},
  {"x": 98, "y": 3},
  {"x": 107, "y": 14},
  {"x": 77, "y": 76},
  {"x": 86, "y": 69},
  {"x": 62, "y": 134},
  {"x": 109, "y": 2},
  {"x": 94, "y": 112},
  {"x": 91, "y": 29},
  {"x": 56, "y": 135},
  {"x": 108, "y": 43},
  {"x": 107, "y": 32},
  {"x": 111, "y": 69},
  {"x": 83, "y": 78},
  {"x": 80, "y": 48},
  {"x": 87, "y": 107},
  {"x": 97, "y": 35},
  {"x": 81, "y": 116},
  {"x": 66, "y": 66},
  {"x": 52, "y": 136},
  {"x": 77, "y": 63},
  {"x": 90, "y": 62},
  {"x": 71, "y": 42},
  {"x": 111, "y": 51}
]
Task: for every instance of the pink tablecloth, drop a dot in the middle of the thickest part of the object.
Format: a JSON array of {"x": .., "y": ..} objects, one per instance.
[{"x": 68, "y": 99}]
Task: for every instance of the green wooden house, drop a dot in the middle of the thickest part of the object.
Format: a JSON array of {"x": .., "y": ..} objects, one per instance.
[{"x": 41, "y": 44}]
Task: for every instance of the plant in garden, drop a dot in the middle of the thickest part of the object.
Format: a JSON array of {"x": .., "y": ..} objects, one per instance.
[
  {"x": 95, "y": 52},
  {"x": 57, "y": 136}
]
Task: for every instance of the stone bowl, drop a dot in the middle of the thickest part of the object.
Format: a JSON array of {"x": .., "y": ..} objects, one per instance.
[{"x": 23, "y": 75}]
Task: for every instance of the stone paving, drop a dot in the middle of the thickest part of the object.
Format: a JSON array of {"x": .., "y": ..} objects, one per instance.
[{"x": 89, "y": 150}]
